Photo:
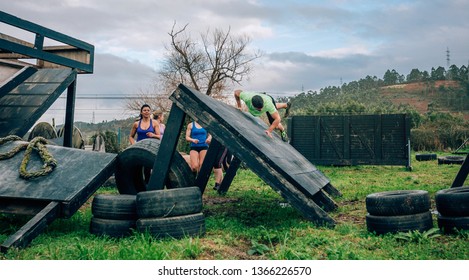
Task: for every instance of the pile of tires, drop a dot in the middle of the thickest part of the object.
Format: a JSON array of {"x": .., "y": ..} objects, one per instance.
[
  {"x": 113, "y": 215},
  {"x": 425, "y": 157},
  {"x": 171, "y": 212},
  {"x": 453, "y": 209},
  {"x": 398, "y": 211}
]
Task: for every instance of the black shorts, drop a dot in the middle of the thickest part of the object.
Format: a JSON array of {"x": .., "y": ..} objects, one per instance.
[
  {"x": 199, "y": 149},
  {"x": 271, "y": 119}
]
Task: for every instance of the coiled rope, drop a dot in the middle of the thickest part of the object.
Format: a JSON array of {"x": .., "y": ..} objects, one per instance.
[{"x": 37, "y": 144}]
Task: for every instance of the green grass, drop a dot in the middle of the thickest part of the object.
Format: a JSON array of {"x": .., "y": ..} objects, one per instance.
[{"x": 251, "y": 223}]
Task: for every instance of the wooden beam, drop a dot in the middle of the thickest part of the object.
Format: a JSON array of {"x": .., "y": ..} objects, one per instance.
[
  {"x": 462, "y": 174},
  {"x": 70, "y": 113},
  {"x": 32, "y": 228},
  {"x": 207, "y": 166},
  {"x": 229, "y": 176},
  {"x": 167, "y": 148}
]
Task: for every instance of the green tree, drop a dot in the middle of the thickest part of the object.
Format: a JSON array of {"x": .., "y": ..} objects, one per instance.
[
  {"x": 391, "y": 77},
  {"x": 415, "y": 76},
  {"x": 438, "y": 74}
]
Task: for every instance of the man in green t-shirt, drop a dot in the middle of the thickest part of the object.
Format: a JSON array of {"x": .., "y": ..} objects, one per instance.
[{"x": 260, "y": 103}]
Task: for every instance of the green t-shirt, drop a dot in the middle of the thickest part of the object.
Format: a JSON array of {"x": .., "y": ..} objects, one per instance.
[{"x": 269, "y": 106}]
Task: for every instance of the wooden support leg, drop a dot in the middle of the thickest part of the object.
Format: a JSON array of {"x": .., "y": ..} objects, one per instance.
[
  {"x": 69, "y": 114},
  {"x": 167, "y": 149},
  {"x": 229, "y": 176},
  {"x": 32, "y": 228},
  {"x": 462, "y": 174},
  {"x": 207, "y": 166}
]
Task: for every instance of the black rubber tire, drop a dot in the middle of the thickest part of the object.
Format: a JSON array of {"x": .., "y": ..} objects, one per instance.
[
  {"x": 169, "y": 203},
  {"x": 453, "y": 202},
  {"x": 392, "y": 224},
  {"x": 397, "y": 203},
  {"x": 114, "y": 207},
  {"x": 451, "y": 159},
  {"x": 425, "y": 157},
  {"x": 112, "y": 228},
  {"x": 131, "y": 162},
  {"x": 449, "y": 224},
  {"x": 176, "y": 227}
]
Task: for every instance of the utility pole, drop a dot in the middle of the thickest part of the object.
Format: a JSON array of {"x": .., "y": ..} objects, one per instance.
[{"x": 447, "y": 57}]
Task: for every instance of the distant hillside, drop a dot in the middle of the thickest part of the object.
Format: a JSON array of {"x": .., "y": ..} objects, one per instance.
[
  {"x": 120, "y": 127},
  {"x": 442, "y": 96}
]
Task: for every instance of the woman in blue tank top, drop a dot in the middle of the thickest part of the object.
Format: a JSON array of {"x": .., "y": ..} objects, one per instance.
[
  {"x": 199, "y": 140},
  {"x": 145, "y": 127}
]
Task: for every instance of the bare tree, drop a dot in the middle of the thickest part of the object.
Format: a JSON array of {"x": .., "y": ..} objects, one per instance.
[
  {"x": 154, "y": 96},
  {"x": 209, "y": 66}
]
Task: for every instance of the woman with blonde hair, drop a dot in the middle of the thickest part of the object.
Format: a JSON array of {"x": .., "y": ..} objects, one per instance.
[{"x": 158, "y": 115}]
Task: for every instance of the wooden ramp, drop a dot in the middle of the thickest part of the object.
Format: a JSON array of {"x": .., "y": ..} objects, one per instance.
[
  {"x": 23, "y": 105},
  {"x": 276, "y": 162},
  {"x": 59, "y": 194}
]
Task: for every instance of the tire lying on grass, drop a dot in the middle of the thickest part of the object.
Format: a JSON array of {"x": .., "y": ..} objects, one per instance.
[
  {"x": 425, "y": 157},
  {"x": 392, "y": 224},
  {"x": 114, "y": 207},
  {"x": 176, "y": 227},
  {"x": 451, "y": 160},
  {"x": 453, "y": 202},
  {"x": 395, "y": 203},
  {"x": 112, "y": 228},
  {"x": 169, "y": 202},
  {"x": 131, "y": 162}
]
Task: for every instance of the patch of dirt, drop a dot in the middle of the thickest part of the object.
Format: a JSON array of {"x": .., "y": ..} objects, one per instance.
[
  {"x": 219, "y": 251},
  {"x": 355, "y": 212},
  {"x": 417, "y": 95},
  {"x": 218, "y": 200}
]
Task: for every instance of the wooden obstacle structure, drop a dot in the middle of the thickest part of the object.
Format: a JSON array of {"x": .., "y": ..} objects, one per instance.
[
  {"x": 26, "y": 92},
  {"x": 57, "y": 195},
  {"x": 276, "y": 162}
]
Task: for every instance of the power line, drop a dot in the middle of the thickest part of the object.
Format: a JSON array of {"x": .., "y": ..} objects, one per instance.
[{"x": 103, "y": 97}]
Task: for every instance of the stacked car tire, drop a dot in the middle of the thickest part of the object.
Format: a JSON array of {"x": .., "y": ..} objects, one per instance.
[
  {"x": 113, "y": 215},
  {"x": 453, "y": 209},
  {"x": 398, "y": 211},
  {"x": 171, "y": 212}
]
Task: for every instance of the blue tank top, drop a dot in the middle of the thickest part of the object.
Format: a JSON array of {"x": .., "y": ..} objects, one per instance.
[
  {"x": 200, "y": 134},
  {"x": 142, "y": 133}
]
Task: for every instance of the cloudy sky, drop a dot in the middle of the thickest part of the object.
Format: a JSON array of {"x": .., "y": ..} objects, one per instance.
[{"x": 307, "y": 44}]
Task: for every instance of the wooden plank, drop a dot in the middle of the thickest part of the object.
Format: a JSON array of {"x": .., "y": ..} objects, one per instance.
[
  {"x": 7, "y": 85},
  {"x": 207, "y": 166},
  {"x": 273, "y": 160},
  {"x": 21, "y": 207},
  {"x": 76, "y": 170},
  {"x": 32, "y": 228},
  {"x": 167, "y": 148},
  {"x": 70, "y": 113},
  {"x": 21, "y": 119},
  {"x": 229, "y": 176},
  {"x": 37, "y": 51},
  {"x": 462, "y": 174}
]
